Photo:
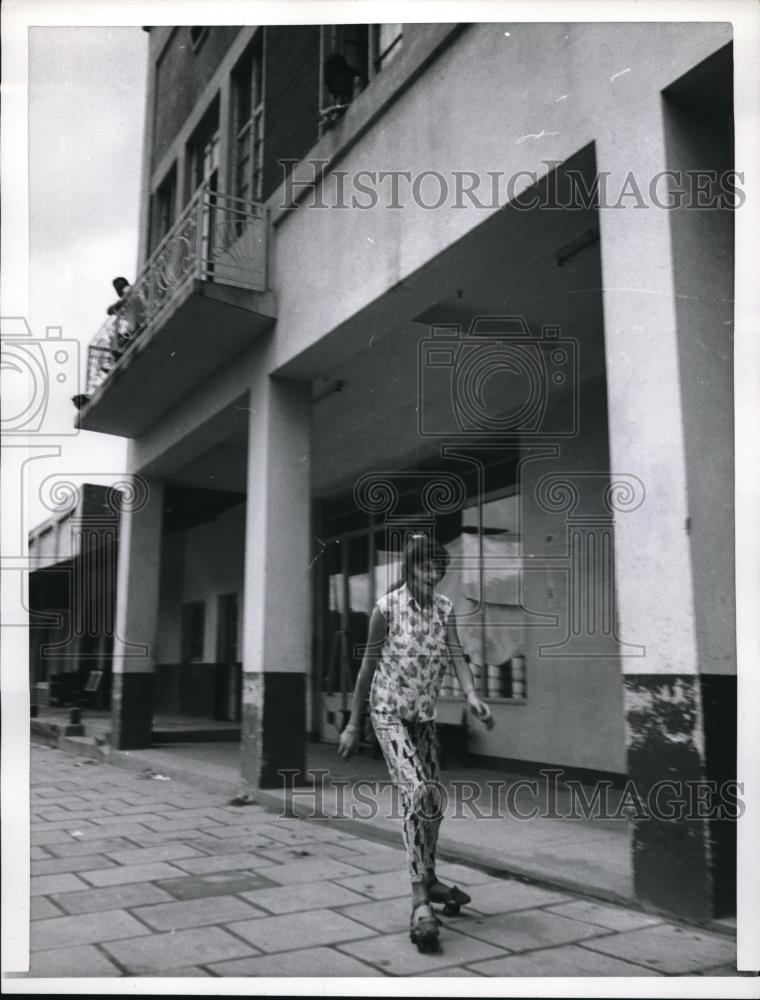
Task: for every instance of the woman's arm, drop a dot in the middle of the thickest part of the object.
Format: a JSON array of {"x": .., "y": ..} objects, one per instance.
[
  {"x": 464, "y": 675},
  {"x": 349, "y": 738}
]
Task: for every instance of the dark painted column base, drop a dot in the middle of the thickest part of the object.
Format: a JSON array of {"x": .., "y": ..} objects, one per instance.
[
  {"x": 132, "y": 711},
  {"x": 681, "y": 755},
  {"x": 719, "y": 709},
  {"x": 273, "y": 729}
]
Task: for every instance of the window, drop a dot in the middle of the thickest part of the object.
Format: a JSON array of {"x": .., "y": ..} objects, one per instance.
[
  {"x": 248, "y": 123},
  {"x": 483, "y": 581},
  {"x": 386, "y": 40},
  {"x": 193, "y": 631},
  {"x": 487, "y": 593},
  {"x": 367, "y": 48},
  {"x": 203, "y": 152},
  {"x": 352, "y": 41},
  {"x": 352, "y": 55},
  {"x": 345, "y": 65},
  {"x": 203, "y": 170},
  {"x": 163, "y": 209}
]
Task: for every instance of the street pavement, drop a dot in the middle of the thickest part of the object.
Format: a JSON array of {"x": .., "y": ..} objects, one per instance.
[{"x": 138, "y": 876}]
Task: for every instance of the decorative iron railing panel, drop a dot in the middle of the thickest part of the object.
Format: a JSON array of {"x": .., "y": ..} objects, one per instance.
[{"x": 217, "y": 238}]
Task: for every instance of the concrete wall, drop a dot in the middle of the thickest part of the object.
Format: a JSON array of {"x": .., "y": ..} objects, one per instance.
[
  {"x": 471, "y": 112},
  {"x": 573, "y": 716},
  {"x": 199, "y": 564},
  {"x": 703, "y": 257},
  {"x": 574, "y": 709},
  {"x": 214, "y": 566},
  {"x": 330, "y": 265},
  {"x": 181, "y": 75}
]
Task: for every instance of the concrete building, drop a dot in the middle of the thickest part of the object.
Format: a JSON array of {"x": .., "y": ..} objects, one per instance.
[
  {"x": 72, "y": 598},
  {"x": 466, "y": 279}
]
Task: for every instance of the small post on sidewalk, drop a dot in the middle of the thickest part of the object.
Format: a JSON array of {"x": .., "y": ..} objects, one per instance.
[{"x": 75, "y": 727}]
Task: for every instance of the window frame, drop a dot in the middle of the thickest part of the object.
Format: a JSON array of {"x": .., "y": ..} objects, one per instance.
[
  {"x": 164, "y": 200},
  {"x": 378, "y": 58},
  {"x": 247, "y": 137},
  {"x": 202, "y": 146},
  {"x": 369, "y": 530},
  {"x": 481, "y": 684},
  {"x": 331, "y": 39}
]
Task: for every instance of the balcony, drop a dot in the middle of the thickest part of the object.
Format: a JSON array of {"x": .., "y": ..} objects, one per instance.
[{"x": 200, "y": 299}]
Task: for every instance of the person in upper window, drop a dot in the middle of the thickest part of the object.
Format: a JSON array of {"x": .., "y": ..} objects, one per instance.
[{"x": 343, "y": 81}]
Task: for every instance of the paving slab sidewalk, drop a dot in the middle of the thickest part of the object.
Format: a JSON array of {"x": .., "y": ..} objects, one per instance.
[
  {"x": 582, "y": 855},
  {"x": 241, "y": 891}
]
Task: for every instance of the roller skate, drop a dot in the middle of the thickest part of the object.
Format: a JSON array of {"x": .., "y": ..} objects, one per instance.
[
  {"x": 423, "y": 928},
  {"x": 451, "y": 896}
]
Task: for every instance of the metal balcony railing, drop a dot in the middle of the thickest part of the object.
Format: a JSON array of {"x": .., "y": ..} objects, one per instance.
[{"x": 217, "y": 238}]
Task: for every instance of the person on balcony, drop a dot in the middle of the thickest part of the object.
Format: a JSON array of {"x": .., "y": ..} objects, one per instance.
[
  {"x": 129, "y": 316},
  {"x": 120, "y": 334},
  {"x": 121, "y": 285}
]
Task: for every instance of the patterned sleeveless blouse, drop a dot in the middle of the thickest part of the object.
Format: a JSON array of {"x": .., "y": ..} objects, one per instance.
[{"x": 413, "y": 658}]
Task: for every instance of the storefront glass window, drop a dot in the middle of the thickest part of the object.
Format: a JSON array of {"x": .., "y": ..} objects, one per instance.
[{"x": 483, "y": 581}]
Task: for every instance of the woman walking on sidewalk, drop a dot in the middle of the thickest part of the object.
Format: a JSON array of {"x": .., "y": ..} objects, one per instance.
[{"x": 412, "y": 638}]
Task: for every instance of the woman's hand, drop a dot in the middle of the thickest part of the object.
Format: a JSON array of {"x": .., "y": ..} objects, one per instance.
[
  {"x": 480, "y": 710},
  {"x": 348, "y": 742}
]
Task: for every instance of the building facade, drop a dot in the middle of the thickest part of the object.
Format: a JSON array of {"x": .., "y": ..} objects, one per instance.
[
  {"x": 72, "y": 598},
  {"x": 448, "y": 278}
]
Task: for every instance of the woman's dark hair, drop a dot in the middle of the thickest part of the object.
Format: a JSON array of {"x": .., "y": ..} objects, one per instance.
[{"x": 421, "y": 549}]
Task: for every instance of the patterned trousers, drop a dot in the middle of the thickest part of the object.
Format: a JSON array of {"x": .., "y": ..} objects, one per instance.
[{"x": 411, "y": 753}]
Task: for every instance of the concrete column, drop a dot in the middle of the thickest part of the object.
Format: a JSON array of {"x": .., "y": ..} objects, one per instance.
[
  {"x": 670, "y": 416},
  {"x": 137, "y": 605},
  {"x": 277, "y": 612},
  {"x": 225, "y": 135}
]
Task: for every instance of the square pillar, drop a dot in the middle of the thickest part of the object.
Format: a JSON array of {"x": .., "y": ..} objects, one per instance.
[
  {"x": 670, "y": 423},
  {"x": 277, "y": 621},
  {"x": 226, "y": 126},
  {"x": 137, "y": 604}
]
